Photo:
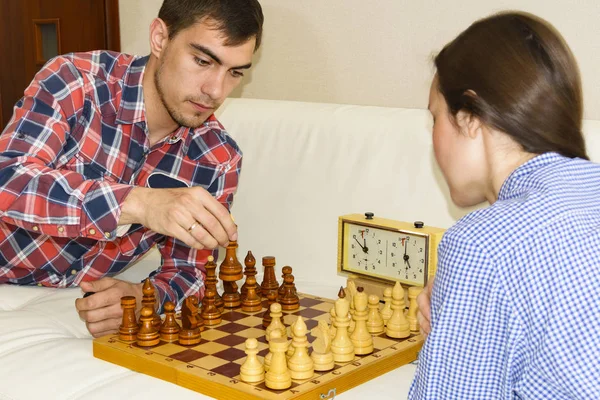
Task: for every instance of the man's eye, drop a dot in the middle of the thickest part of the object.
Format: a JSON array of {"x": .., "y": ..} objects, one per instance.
[
  {"x": 200, "y": 61},
  {"x": 237, "y": 74}
]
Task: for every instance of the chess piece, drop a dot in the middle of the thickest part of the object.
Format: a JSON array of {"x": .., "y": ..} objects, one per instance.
[
  {"x": 211, "y": 281},
  {"x": 290, "y": 300},
  {"x": 269, "y": 283},
  {"x": 361, "y": 338},
  {"x": 250, "y": 270},
  {"x": 252, "y": 370},
  {"x": 413, "y": 307},
  {"x": 278, "y": 377},
  {"x": 149, "y": 300},
  {"x": 397, "y": 326},
  {"x": 332, "y": 328},
  {"x": 129, "y": 326},
  {"x": 252, "y": 302},
  {"x": 210, "y": 314},
  {"x": 300, "y": 364},
  {"x": 271, "y": 297},
  {"x": 190, "y": 330},
  {"x": 350, "y": 293},
  {"x": 230, "y": 271},
  {"x": 284, "y": 271},
  {"x": 148, "y": 335},
  {"x": 375, "y": 324},
  {"x": 341, "y": 345},
  {"x": 321, "y": 355},
  {"x": 386, "y": 312},
  {"x": 269, "y": 356},
  {"x": 169, "y": 330},
  {"x": 276, "y": 323}
]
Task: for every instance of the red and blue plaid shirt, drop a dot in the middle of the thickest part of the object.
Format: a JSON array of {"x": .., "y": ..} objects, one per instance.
[{"x": 76, "y": 145}]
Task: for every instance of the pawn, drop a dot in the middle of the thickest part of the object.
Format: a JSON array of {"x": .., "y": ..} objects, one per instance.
[
  {"x": 375, "y": 324},
  {"x": 210, "y": 314},
  {"x": 290, "y": 300},
  {"x": 252, "y": 301},
  {"x": 397, "y": 326},
  {"x": 148, "y": 335},
  {"x": 129, "y": 326},
  {"x": 386, "y": 312},
  {"x": 300, "y": 364},
  {"x": 271, "y": 297},
  {"x": 269, "y": 356},
  {"x": 278, "y": 377},
  {"x": 413, "y": 307},
  {"x": 276, "y": 323},
  {"x": 252, "y": 370},
  {"x": 169, "y": 330},
  {"x": 284, "y": 271}
]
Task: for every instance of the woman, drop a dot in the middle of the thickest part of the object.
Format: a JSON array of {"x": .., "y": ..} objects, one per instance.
[{"x": 515, "y": 307}]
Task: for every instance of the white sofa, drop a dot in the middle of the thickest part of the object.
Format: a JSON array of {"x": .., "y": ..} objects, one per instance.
[{"x": 304, "y": 165}]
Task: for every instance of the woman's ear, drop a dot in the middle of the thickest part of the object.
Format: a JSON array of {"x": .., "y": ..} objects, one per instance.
[{"x": 469, "y": 124}]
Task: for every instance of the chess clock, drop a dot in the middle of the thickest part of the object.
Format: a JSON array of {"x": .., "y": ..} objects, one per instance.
[{"x": 379, "y": 252}]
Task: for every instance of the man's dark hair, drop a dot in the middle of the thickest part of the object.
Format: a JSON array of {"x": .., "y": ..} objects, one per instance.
[{"x": 239, "y": 20}]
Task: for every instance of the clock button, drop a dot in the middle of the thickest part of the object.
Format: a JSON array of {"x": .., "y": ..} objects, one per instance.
[
  {"x": 369, "y": 215},
  {"x": 419, "y": 224}
]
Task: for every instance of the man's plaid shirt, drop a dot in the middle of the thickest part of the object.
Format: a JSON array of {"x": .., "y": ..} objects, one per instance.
[{"x": 76, "y": 145}]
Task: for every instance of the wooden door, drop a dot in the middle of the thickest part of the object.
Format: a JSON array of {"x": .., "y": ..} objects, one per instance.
[{"x": 33, "y": 31}]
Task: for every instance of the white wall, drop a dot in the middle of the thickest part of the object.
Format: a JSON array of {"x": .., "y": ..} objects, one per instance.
[{"x": 376, "y": 52}]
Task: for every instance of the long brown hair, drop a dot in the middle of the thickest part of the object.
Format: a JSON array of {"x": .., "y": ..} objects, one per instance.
[{"x": 515, "y": 72}]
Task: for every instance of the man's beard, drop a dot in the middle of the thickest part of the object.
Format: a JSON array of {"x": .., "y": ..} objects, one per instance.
[{"x": 175, "y": 115}]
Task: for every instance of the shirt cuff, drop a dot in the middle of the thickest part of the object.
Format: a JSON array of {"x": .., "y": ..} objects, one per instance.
[{"x": 101, "y": 210}]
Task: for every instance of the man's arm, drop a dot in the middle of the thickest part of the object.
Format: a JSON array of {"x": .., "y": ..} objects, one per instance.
[{"x": 33, "y": 194}]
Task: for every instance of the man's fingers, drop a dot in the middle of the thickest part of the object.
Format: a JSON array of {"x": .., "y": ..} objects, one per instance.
[
  {"x": 220, "y": 212},
  {"x": 104, "y": 327},
  {"x": 99, "y": 285},
  {"x": 99, "y": 300},
  {"x": 185, "y": 236},
  {"x": 110, "y": 312},
  {"x": 208, "y": 230}
]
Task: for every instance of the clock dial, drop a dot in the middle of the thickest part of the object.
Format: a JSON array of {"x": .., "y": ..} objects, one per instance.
[{"x": 387, "y": 254}]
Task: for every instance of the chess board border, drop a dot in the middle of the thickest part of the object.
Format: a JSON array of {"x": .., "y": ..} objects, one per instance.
[{"x": 362, "y": 369}]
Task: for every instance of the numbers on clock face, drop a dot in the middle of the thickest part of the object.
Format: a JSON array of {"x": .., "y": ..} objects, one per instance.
[{"x": 388, "y": 254}]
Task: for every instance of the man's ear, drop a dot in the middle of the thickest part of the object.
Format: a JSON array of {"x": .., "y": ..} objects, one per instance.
[{"x": 159, "y": 37}]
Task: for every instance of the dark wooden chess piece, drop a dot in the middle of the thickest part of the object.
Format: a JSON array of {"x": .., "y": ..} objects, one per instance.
[
  {"x": 211, "y": 315},
  {"x": 290, "y": 300},
  {"x": 190, "y": 331},
  {"x": 252, "y": 302},
  {"x": 285, "y": 271},
  {"x": 129, "y": 326},
  {"x": 211, "y": 281},
  {"x": 271, "y": 298},
  {"x": 149, "y": 300},
  {"x": 169, "y": 330},
  {"x": 250, "y": 270},
  {"x": 148, "y": 335},
  {"x": 230, "y": 271},
  {"x": 269, "y": 282}
]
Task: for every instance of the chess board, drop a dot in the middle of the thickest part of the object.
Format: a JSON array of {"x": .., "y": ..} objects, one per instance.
[{"x": 213, "y": 366}]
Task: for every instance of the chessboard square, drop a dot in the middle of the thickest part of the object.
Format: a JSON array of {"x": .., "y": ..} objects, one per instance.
[
  {"x": 168, "y": 349},
  {"x": 289, "y": 319},
  {"x": 310, "y": 313},
  {"x": 231, "y": 327},
  {"x": 231, "y": 340},
  {"x": 188, "y": 355},
  {"x": 232, "y": 316},
  {"x": 211, "y": 347},
  {"x": 263, "y": 352},
  {"x": 250, "y": 321},
  {"x": 213, "y": 334},
  {"x": 311, "y": 323},
  {"x": 230, "y": 354},
  {"x": 382, "y": 343},
  {"x": 325, "y": 317},
  {"x": 251, "y": 333},
  {"x": 324, "y": 306},
  {"x": 230, "y": 370},
  {"x": 262, "y": 339},
  {"x": 209, "y": 362},
  {"x": 308, "y": 302}
]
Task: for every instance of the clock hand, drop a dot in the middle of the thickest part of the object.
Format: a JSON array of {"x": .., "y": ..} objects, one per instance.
[
  {"x": 364, "y": 248},
  {"x": 406, "y": 256}
]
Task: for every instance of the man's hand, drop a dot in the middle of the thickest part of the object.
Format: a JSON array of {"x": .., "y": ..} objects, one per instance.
[
  {"x": 102, "y": 311},
  {"x": 424, "y": 312},
  {"x": 191, "y": 215}
]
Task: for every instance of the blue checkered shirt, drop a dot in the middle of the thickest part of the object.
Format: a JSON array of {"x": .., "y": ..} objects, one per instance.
[{"x": 515, "y": 307}]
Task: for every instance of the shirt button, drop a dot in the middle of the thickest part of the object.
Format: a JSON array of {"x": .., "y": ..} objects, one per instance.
[
  {"x": 173, "y": 138},
  {"x": 73, "y": 271},
  {"x": 92, "y": 231},
  {"x": 35, "y": 228},
  {"x": 107, "y": 235},
  {"x": 61, "y": 229},
  {"x": 39, "y": 284}
]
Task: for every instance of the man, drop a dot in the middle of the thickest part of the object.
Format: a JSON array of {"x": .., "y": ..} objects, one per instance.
[{"x": 108, "y": 154}]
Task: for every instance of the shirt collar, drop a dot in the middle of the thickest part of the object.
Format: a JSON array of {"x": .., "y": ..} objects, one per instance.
[
  {"x": 512, "y": 184},
  {"x": 131, "y": 109}
]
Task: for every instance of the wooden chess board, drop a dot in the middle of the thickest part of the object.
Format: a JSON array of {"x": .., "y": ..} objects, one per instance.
[{"x": 213, "y": 366}]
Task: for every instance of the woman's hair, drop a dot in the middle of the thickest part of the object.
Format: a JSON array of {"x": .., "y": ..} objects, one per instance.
[{"x": 515, "y": 72}]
